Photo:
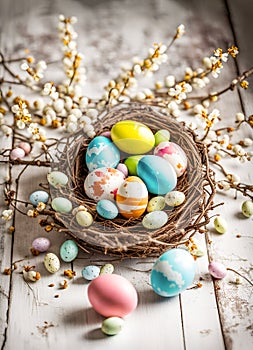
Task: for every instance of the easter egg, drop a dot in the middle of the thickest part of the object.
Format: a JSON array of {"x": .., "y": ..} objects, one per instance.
[
  {"x": 25, "y": 146},
  {"x": 51, "y": 262},
  {"x": 62, "y": 205},
  {"x": 39, "y": 196},
  {"x": 131, "y": 163},
  {"x": 57, "y": 179},
  {"x": 158, "y": 175},
  {"x": 123, "y": 168},
  {"x": 112, "y": 325},
  {"x": 132, "y": 137},
  {"x": 220, "y": 224},
  {"x": 247, "y": 208},
  {"x": 161, "y": 136},
  {"x": 101, "y": 153},
  {"x": 84, "y": 218},
  {"x": 90, "y": 272},
  {"x": 68, "y": 250},
  {"x": 41, "y": 244},
  {"x": 112, "y": 295},
  {"x": 106, "y": 134},
  {"x": 107, "y": 209},
  {"x": 173, "y": 272},
  {"x": 17, "y": 153},
  {"x": 174, "y": 198},
  {"x": 132, "y": 197},
  {"x": 217, "y": 270},
  {"x": 155, "y": 220},
  {"x": 156, "y": 203},
  {"x": 102, "y": 183},
  {"x": 173, "y": 154},
  {"x": 107, "y": 268}
]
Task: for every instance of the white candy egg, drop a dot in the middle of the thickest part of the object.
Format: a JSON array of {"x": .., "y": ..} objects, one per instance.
[
  {"x": 174, "y": 198},
  {"x": 51, "y": 262}
]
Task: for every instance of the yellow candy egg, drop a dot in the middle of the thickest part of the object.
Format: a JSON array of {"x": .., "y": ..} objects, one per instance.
[{"x": 132, "y": 137}]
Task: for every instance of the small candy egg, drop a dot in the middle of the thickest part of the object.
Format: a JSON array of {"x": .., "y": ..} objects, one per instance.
[
  {"x": 112, "y": 295},
  {"x": 247, "y": 208},
  {"x": 131, "y": 163},
  {"x": 41, "y": 244},
  {"x": 174, "y": 198},
  {"x": 155, "y": 220},
  {"x": 57, "y": 179},
  {"x": 161, "y": 136},
  {"x": 123, "y": 168},
  {"x": 173, "y": 272},
  {"x": 68, "y": 250},
  {"x": 39, "y": 196},
  {"x": 84, "y": 218},
  {"x": 112, "y": 325},
  {"x": 220, "y": 224},
  {"x": 106, "y": 134},
  {"x": 17, "y": 153},
  {"x": 62, "y": 205},
  {"x": 107, "y": 209},
  {"x": 107, "y": 268},
  {"x": 156, "y": 203},
  {"x": 90, "y": 272},
  {"x": 51, "y": 262},
  {"x": 25, "y": 146},
  {"x": 217, "y": 270}
]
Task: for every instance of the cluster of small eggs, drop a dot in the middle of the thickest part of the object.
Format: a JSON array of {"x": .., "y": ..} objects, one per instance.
[{"x": 20, "y": 151}]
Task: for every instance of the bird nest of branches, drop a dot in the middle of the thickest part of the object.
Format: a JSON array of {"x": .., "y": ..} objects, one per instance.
[{"x": 128, "y": 237}]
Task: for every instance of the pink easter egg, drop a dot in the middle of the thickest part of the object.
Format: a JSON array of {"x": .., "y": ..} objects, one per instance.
[
  {"x": 123, "y": 168},
  {"x": 112, "y": 295},
  {"x": 106, "y": 134},
  {"x": 17, "y": 153},
  {"x": 25, "y": 146},
  {"x": 217, "y": 270},
  {"x": 41, "y": 244}
]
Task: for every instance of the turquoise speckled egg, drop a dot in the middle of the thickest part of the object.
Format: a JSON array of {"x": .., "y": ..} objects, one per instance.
[
  {"x": 39, "y": 196},
  {"x": 173, "y": 272},
  {"x": 62, "y": 205},
  {"x": 51, "y": 262},
  {"x": 68, "y": 250},
  {"x": 90, "y": 272},
  {"x": 158, "y": 175},
  {"x": 156, "y": 203},
  {"x": 102, "y": 152},
  {"x": 155, "y": 220},
  {"x": 57, "y": 179},
  {"x": 161, "y": 136},
  {"x": 107, "y": 209}
]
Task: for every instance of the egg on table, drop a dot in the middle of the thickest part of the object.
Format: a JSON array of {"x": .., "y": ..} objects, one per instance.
[
  {"x": 101, "y": 153},
  {"x": 51, "y": 262},
  {"x": 132, "y": 197},
  {"x": 41, "y": 244},
  {"x": 68, "y": 250}
]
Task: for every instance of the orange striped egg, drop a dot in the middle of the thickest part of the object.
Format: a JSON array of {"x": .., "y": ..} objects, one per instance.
[{"x": 132, "y": 197}]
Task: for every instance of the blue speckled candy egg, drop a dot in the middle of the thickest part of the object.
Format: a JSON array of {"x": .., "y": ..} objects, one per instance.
[
  {"x": 173, "y": 272},
  {"x": 68, "y": 250},
  {"x": 41, "y": 244},
  {"x": 102, "y": 152},
  {"x": 39, "y": 196},
  {"x": 107, "y": 209},
  {"x": 158, "y": 175},
  {"x": 62, "y": 205},
  {"x": 90, "y": 272},
  {"x": 155, "y": 219},
  {"x": 57, "y": 179}
]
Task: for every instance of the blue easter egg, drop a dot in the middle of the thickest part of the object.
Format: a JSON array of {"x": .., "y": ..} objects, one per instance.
[
  {"x": 107, "y": 209},
  {"x": 39, "y": 196},
  {"x": 90, "y": 272},
  {"x": 68, "y": 250},
  {"x": 102, "y": 152},
  {"x": 173, "y": 272},
  {"x": 157, "y": 174}
]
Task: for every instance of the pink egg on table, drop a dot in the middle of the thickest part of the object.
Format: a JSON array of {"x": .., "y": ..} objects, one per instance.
[
  {"x": 217, "y": 270},
  {"x": 106, "y": 134},
  {"x": 112, "y": 295},
  {"x": 123, "y": 168},
  {"x": 25, "y": 146},
  {"x": 17, "y": 153},
  {"x": 174, "y": 154},
  {"x": 41, "y": 244}
]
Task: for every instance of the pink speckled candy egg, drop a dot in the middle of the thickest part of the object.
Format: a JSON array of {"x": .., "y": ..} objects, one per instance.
[
  {"x": 217, "y": 270},
  {"x": 25, "y": 146},
  {"x": 41, "y": 244},
  {"x": 123, "y": 168},
  {"x": 112, "y": 295},
  {"x": 17, "y": 153},
  {"x": 174, "y": 154},
  {"x": 102, "y": 183},
  {"x": 106, "y": 134}
]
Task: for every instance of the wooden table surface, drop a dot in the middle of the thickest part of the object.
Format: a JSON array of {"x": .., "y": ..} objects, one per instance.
[{"x": 217, "y": 316}]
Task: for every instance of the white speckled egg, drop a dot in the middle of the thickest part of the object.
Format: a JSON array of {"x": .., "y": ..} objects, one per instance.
[
  {"x": 51, "y": 262},
  {"x": 90, "y": 272},
  {"x": 41, "y": 244},
  {"x": 155, "y": 220},
  {"x": 57, "y": 179},
  {"x": 174, "y": 198},
  {"x": 156, "y": 203},
  {"x": 68, "y": 250},
  {"x": 112, "y": 325},
  {"x": 84, "y": 218},
  {"x": 17, "y": 153},
  {"x": 38, "y": 196},
  {"x": 107, "y": 268},
  {"x": 62, "y": 205}
]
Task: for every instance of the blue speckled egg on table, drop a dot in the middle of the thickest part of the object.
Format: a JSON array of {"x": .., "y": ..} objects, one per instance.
[
  {"x": 107, "y": 209},
  {"x": 68, "y": 250},
  {"x": 173, "y": 272},
  {"x": 102, "y": 152},
  {"x": 39, "y": 196},
  {"x": 90, "y": 272},
  {"x": 158, "y": 175}
]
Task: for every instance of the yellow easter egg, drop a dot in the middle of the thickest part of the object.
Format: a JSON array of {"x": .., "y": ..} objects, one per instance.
[{"x": 132, "y": 137}]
